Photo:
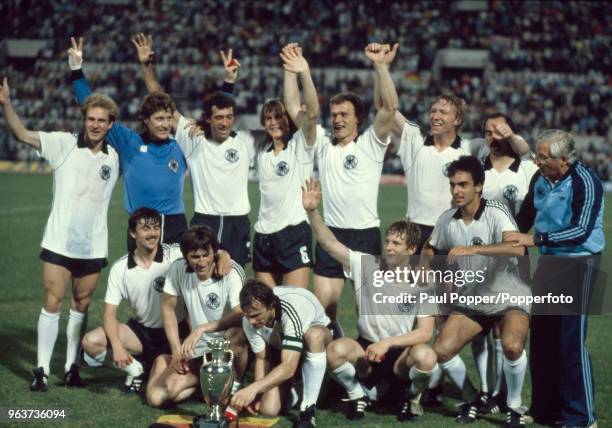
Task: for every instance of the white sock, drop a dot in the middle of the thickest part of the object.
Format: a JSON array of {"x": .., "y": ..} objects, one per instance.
[
  {"x": 499, "y": 362},
  {"x": 345, "y": 375},
  {"x": 74, "y": 334},
  {"x": 420, "y": 379},
  {"x": 235, "y": 387},
  {"x": 313, "y": 372},
  {"x": 133, "y": 369},
  {"x": 515, "y": 375},
  {"x": 480, "y": 351},
  {"x": 48, "y": 327},
  {"x": 455, "y": 367},
  {"x": 95, "y": 360}
]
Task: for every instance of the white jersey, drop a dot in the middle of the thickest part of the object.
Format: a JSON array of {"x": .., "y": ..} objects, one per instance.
[
  {"x": 500, "y": 273},
  {"x": 281, "y": 176},
  {"x": 425, "y": 168},
  {"x": 350, "y": 178},
  {"x": 298, "y": 310},
  {"x": 219, "y": 171},
  {"x": 206, "y": 301},
  {"x": 83, "y": 183},
  {"x": 143, "y": 288},
  {"x": 377, "y": 323},
  {"x": 510, "y": 186}
]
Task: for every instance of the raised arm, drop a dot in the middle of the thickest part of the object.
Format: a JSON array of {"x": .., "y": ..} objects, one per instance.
[
  {"x": 311, "y": 197},
  {"x": 291, "y": 91},
  {"x": 295, "y": 63},
  {"x": 19, "y": 131},
  {"x": 399, "y": 119},
  {"x": 504, "y": 131},
  {"x": 383, "y": 121}
]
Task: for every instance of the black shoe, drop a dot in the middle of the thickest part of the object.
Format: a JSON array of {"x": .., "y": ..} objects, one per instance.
[
  {"x": 39, "y": 383},
  {"x": 467, "y": 413},
  {"x": 500, "y": 399},
  {"x": 307, "y": 418},
  {"x": 357, "y": 408},
  {"x": 514, "y": 419},
  {"x": 135, "y": 384},
  {"x": 488, "y": 405},
  {"x": 72, "y": 378},
  {"x": 411, "y": 409},
  {"x": 433, "y": 397}
]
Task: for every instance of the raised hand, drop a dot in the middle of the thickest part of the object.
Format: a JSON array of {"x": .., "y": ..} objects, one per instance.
[
  {"x": 4, "y": 93},
  {"x": 144, "y": 47},
  {"x": 293, "y": 61},
  {"x": 502, "y": 131},
  {"x": 75, "y": 54},
  {"x": 390, "y": 53},
  {"x": 381, "y": 53},
  {"x": 231, "y": 66},
  {"x": 311, "y": 194}
]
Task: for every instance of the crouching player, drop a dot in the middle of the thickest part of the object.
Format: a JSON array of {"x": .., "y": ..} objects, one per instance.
[
  {"x": 390, "y": 344},
  {"x": 137, "y": 277},
  {"x": 282, "y": 325},
  {"x": 212, "y": 305}
]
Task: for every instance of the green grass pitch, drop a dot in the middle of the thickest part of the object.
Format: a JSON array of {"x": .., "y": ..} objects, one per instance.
[{"x": 26, "y": 201}]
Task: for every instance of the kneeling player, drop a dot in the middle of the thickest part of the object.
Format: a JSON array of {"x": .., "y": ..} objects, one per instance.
[
  {"x": 137, "y": 277},
  {"x": 389, "y": 346},
  {"x": 479, "y": 227},
  {"x": 212, "y": 304},
  {"x": 293, "y": 322}
]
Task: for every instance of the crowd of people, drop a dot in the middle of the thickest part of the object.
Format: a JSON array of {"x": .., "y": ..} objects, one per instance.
[{"x": 530, "y": 75}]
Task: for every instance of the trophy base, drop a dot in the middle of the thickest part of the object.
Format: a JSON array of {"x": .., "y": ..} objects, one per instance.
[{"x": 204, "y": 422}]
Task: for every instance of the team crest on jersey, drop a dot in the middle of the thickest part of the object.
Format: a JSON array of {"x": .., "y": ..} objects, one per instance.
[
  {"x": 105, "y": 172},
  {"x": 405, "y": 307},
  {"x": 511, "y": 192},
  {"x": 232, "y": 155},
  {"x": 173, "y": 165},
  {"x": 350, "y": 162},
  {"x": 158, "y": 283},
  {"x": 213, "y": 301},
  {"x": 282, "y": 168},
  {"x": 445, "y": 168},
  {"x": 476, "y": 240}
]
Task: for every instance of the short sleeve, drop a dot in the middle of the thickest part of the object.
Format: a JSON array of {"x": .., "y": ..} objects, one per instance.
[
  {"x": 504, "y": 222},
  {"x": 372, "y": 146},
  {"x": 257, "y": 342},
  {"x": 173, "y": 278},
  {"x": 294, "y": 322},
  {"x": 303, "y": 152},
  {"x": 187, "y": 144},
  {"x": 235, "y": 285},
  {"x": 56, "y": 146},
  {"x": 114, "y": 290},
  {"x": 409, "y": 142},
  {"x": 248, "y": 142},
  {"x": 439, "y": 238}
]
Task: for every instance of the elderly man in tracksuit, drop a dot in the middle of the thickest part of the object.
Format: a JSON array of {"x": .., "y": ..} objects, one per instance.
[{"x": 566, "y": 201}]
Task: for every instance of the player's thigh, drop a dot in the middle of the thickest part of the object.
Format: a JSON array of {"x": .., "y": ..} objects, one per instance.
[
  {"x": 267, "y": 278},
  {"x": 55, "y": 281},
  {"x": 95, "y": 339},
  {"x": 316, "y": 338},
  {"x": 272, "y": 400},
  {"x": 84, "y": 286},
  {"x": 457, "y": 330},
  {"x": 298, "y": 277},
  {"x": 328, "y": 290},
  {"x": 130, "y": 340}
]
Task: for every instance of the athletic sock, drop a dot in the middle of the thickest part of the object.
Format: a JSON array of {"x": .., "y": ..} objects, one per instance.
[
  {"x": 515, "y": 375},
  {"x": 74, "y": 330},
  {"x": 499, "y": 363},
  {"x": 313, "y": 372},
  {"x": 345, "y": 375},
  {"x": 95, "y": 360},
  {"x": 480, "y": 351},
  {"x": 420, "y": 379},
  {"x": 47, "y": 329},
  {"x": 455, "y": 367}
]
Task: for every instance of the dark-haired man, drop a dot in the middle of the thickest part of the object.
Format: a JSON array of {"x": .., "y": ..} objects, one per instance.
[
  {"x": 393, "y": 339},
  {"x": 479, "y": 228},
  {"x": 213, "y": 307},
  {"x": 137, "y": 277},
  {"x": 290, "y": 320},
  {"x": 75, "y": 242},
  {"x": 152, "y": 163}
]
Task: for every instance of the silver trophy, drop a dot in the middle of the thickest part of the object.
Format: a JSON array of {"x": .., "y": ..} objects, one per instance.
[{"x": 216, "y": 379}]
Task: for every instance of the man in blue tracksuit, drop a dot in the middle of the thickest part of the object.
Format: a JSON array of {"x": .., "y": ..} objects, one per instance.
[
  {"x": 566, "y": 202},
  {"x": 152, "y": 163}
]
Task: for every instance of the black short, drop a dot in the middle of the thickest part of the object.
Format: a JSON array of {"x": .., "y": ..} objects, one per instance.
[
  {"x": 233, "y": 233},
  {"x": 425, "y": 234},
  {"x": 172, "y": 228},
  {"x": 384, "y": 369},
  {"x": 365, "y": 240},
  {"x": 284, "y": 251},
  {"x": 153, "y": 340},
  {"x": 77, "y": 267},
  {"x": 486, "y": 322}
]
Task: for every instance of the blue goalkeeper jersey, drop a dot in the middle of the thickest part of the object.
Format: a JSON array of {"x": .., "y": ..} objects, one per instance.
[
  {"x": 569, "y": 213},
  {"x": 154, "y": 172}
]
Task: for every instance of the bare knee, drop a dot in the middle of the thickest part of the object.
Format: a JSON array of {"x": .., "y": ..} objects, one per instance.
[
  {"x": 93, "y": 343},
  {"x": 270, "y": 409},
  {"x": 444, "y": 349},
  {"x": 424, "y": 357},
  {"x": 316, "y": 338},
  {"x": 156, "y": 396},
  {"x": 236, "y": 337},
  {"x": 513, "y": 347}
]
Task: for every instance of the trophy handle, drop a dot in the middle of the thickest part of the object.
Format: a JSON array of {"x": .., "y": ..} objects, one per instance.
[{"x": 231, "y": 356}]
